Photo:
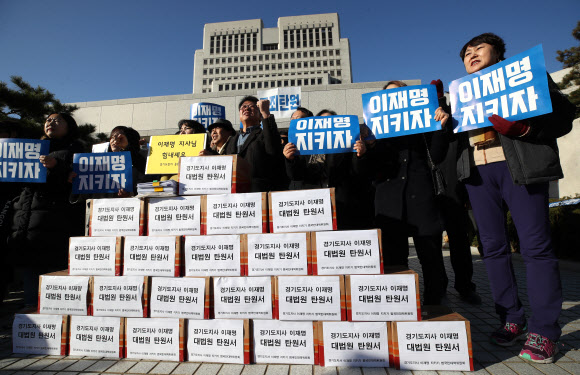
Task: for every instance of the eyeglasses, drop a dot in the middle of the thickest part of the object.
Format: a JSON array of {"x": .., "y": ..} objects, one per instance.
[
  {"x": 55, "y": 120},
  {"x": 248, "y": 106}
]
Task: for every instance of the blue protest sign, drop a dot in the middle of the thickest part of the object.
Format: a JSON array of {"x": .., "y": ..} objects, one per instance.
[
  {"x": 207, "y": 113},
  {"x": 102, "y": 172},
  {"x": 19, "y": 160},
  {"x": 515, "y": 89},
  {"x": 401, "y": 111},
  {"x": 324, "y": 134}
]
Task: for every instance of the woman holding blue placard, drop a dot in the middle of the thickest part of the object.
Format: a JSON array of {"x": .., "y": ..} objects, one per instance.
[
  {"x": 44, "y": 219},
  {"x": 511, "y": 165},
  {"x": 405, "y": 202}
]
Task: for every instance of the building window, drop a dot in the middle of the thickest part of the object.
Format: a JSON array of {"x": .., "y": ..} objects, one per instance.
[
  {"x": 338, "y": 73},
  {"x": 261, "y": 67},
  {"x": 241, "y": 69},
  {"x": 298, "y": 54},
  {"x": 320, "y": 81},
  {"x": 292, "y": 82},
  {"x": 323, "y": 37},
  {"x": 330, "y": 36},
  {"x": 317, "y": 36},
  {"x": 204, "y": 71},
  {"x": 260, "y": 58},
  {"x": 285, "y": 65},
  {"x": 259, "y": 85},
  {"x": 292, "y": 39},
  {"x": 254, "y": 68},
  {"x": 223, "y": 60},
  {"x": 229, "y": 69},
  {"x": 221, "y": 88},
  {"x": 267, "y": 57},
  {"x": 292, "y": 66},
  {"x": 310, "y": 37},
  {"x": 337, "y": 62},
  {"x": 285, "y": 39},
  {"x": 254, "y": 58},
  {"x": 255, "y": 37},
  {"x": 325, "y": 63},
  {"x": 239, "y": 86},
  {"x": 269, "y": 47}
]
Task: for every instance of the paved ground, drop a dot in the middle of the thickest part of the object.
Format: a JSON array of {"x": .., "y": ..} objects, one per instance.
[{"x": 489, "y": 359}]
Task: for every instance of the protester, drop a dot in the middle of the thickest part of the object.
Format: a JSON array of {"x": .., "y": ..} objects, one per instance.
[
  {"x": 512, "y": 163},
  {"x": 405, "y": 201},
  {"x": 190, "y": 127},
  {"x": 44, "y": 219},
  {"x": 124, "y": 138},
  {"x": 456, "y": 221},
  {"x": 340, "y": 171},
  {"x": 221, "y": 132},
  {"x": 261, "y": 148},
  {"x": 326, "y": 112}
]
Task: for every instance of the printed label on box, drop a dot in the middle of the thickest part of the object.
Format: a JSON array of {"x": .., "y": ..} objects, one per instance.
[
  {"x": 383, "y": 297},
  {"x": 301, "y": 210},
  {"x": 277, "y": 254},
  {"x": 66, "y": 295},
  {"x": 283, "y": 342},
  {"x": 115, "y": 217},
  {"x": 355, "y": 344},
  {"x": 309, "y": 298},
  {"x": 212, "y": 255},
  {"x": 95, "y": 336},
  {"x": 216, "y": 340},
  {"x": 176, "y": 216},
  {"x": 234, "y": 213},
  {"x": 201, "y": 175},
  {"x": 348, "y": 252},
  {"x": 243, "y": 297},
  {"x": 92, "y": 256},
  {"x": 118, "y": 296},
  {"x": 153, "y": 338},
  {"x": 37, "y": 334},
  {"x": 433, "y": 345},
  {"x": 149, "y": 256},
  {"x": 177, "y": 297}
]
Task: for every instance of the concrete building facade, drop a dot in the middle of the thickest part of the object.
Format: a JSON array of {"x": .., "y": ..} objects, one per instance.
[{"x": 301, "y": 51}]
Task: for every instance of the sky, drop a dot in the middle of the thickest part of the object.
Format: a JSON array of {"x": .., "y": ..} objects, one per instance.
[{"x": 101, "y": 50}]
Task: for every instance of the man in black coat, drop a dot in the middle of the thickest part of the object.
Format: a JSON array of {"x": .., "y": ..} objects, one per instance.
[{"x": 261, "y": 148}]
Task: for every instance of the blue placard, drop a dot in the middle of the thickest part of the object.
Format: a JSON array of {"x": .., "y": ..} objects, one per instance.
[
  {"x": 324, "y": 134},
  {"x": 102, "y": 172},
  {"x": 207, "y": 113},
  {"x": 401, "y": 111},
  {"x": 515, "y": 89},
  {"x": 19, "y": 160}
]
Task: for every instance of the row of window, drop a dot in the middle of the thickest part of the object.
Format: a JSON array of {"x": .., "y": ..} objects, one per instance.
[
  {"x": 312, "y": 37},
  {"x": 269, "y": 84},
  {"x": 233, "y": 43},
  {"x": 268, "y": 67},
  {"x": 333, "y": 73},
  {"x": 267, "y": 57}
]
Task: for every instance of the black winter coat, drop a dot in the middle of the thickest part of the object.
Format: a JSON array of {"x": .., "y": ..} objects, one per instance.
[
  {"x": 263, "y": 151},
  {"x": 44, "y": 219},
  {"x": 533, "y": 158},
  {"x": 404, "y": 186}
]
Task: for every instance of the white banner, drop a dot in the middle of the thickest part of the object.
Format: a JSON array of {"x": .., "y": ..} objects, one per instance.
[
  {"x": 115, "y": 217},
  {"x": 201, "y": 175},
  {"x": 283, "y": 342},
  {"x": 92, "y": 256},
  {"x": 175, "y": 216},
  {"x": 283, "y": 101},
  {"x": 212, "y": 255},
  {"x": 309, "y": 298},
  {"x": 383, "y": 297},
  {"x": 432, "y": 345},
  {"x": 118, "y": 296},
  {"x": 348, "y": 252},
  {"x": 216, "y": 340},
  {"x": 37, "y": 334},
  {"x": 274, "y": 254},
  {"x": 234, "y": 213},
  {"x": 177, "y": 297},
  {"x": 153, "y": 338},
  {"x": 355, "y": 344},
  {"x": 95, "y": 336},
  {"x": 66, "y": 295},
  {"x": 242, "y": 297},
  {"x": 301, "y": 210}
]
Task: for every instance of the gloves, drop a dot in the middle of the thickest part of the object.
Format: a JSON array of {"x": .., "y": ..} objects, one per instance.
[
  {"x": 439, "y": 85},
  {"x": 509, "y": 128}
]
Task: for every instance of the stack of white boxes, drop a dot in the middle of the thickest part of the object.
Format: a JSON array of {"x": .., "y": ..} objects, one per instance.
[{"x": 203, "y": 280}]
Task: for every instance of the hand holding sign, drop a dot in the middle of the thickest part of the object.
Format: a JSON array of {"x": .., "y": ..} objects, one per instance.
[
  {"x": 509, "y": 128},
  {"x": 441, "y": 116},
  {"x": 360, "y": 147},
  {"x": 289, "y": 151},
  {"x": 47, "y": 161}
]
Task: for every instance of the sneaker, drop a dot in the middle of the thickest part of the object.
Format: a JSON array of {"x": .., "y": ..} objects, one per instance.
[
  {"x": 509, "y": 333},
  {"x": 539, "y": 349}
]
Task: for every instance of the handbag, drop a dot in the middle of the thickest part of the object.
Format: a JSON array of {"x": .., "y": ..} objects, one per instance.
[{"x": 439, "y": 183}]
